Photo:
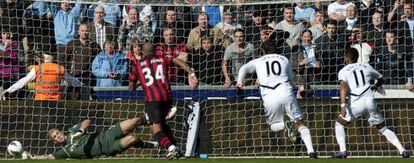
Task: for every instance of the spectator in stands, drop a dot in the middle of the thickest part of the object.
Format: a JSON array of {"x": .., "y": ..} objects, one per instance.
[
  {"x": 405, "y": 27},
  {"x": 100, "y": 30},
  {"x": 171, "y": 48},
  {"x": 393, "y": 62},
  {"x": 376, "y": 29},
  {"x": 203, "y": 30},
  {"x": 9, "y": 62},
  {"x": 329, "y": 48},
  {"x": 126, "y": 28},
  {"x": 79, "y": 56},
  {"x": 337, "y": 10},
  {"x": 214, "y": 12},
  {"x": 66, "y": 22},
  {"x": 135, "y": 53},
  {"x": 112, "y": 10},
  {"x": 367, "y": 8},
  {"x": 290, "y": 25},
  {"x": 238, "y": 53},
  {"x": 304, "y": 13},
  {"x": 47, "y": 77},
  {"x": 358, "y": 42},
  {"x": 351, "y": 19},
  {"x": 318, "y": 28},
  {"x": 207, "y": 62},
  {"x": 171, "y": 22},
  {"x": 305, "y": 64},
  {"x": 39, "y": 29},
  {"x": 319, "y": 6},
  {"x": 109, "y": 67},
  {"x": 253, "y": 28},
  {"x": 143, "y": 33},
  {"x": 397, "y": 11},
  {"x": 264, "y": 36},
  {"x": 227, "y": 27},
  {"x": 146, "y": 14}
]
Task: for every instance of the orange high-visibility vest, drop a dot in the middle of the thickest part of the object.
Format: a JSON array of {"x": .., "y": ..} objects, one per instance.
[{"x": 48, "y": 78}]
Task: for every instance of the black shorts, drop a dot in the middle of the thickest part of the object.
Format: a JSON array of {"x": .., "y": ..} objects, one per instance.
[{"x": 157, "y": 111}]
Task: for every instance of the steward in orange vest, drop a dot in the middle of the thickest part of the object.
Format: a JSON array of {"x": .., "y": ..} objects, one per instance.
[{"x": 48, "y": 77}]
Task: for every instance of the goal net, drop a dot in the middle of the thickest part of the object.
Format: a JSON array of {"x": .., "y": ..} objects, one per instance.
[{"x": 96, "y": 42}]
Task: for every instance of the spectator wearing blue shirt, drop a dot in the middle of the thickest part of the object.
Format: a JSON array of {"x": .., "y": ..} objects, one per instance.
[
  {"x": 109, "y": 67},
  {"x": 113, "y": 12},
  {"x": 66, "y": 22},
  {"x": 304, "y": 13}
]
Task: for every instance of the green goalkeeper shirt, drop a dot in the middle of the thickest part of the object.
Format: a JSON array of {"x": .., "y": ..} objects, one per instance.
[{"x": 80, "y": 145}]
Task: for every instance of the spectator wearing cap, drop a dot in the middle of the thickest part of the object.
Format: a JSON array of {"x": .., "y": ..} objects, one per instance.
[
  {"x": 48, "y": 77},
  {"x": 203, "y": 30},
  {"x": 169, "y": 47},
  {"x": 101, "y": 31},
  {"x": 290, "y": 25},
  {"x": 227, "y": 27},
  {"x": 109, "y": 67}
]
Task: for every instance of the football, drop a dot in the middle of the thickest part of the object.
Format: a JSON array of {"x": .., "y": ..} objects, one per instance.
[{"x": 15, "y": 148}]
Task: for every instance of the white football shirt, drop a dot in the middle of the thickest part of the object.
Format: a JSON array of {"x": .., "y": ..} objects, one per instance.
[
  {"x": 358, "y": 77},
  {"x": 272, "y": 70}
]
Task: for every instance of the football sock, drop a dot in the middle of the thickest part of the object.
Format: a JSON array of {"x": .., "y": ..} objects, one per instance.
[
  {"x": 167, "y": 130},
  {"x": 277, "y": 126},
  {"x": 306, "y": 137},
  {"x": 392, "y": 138},
  {"x": 163, "y": 139},
  {"x": 340, "y": 136}
]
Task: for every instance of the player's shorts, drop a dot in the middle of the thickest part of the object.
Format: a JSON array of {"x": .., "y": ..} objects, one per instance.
[
  {"x": 157, "y": 111},
  {"x": 111, "y": 140},
  {"x": 276, "y": 104},
  {"x": 363, "y": 106}
]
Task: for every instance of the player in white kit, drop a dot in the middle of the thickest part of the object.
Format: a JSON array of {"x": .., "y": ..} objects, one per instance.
[
  {"x": 355, "y": 85},
  {"x": 274, "y": 73}
]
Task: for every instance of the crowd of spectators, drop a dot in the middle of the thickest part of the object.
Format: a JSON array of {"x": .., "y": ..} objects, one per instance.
[{"x": 97, "y": 42}]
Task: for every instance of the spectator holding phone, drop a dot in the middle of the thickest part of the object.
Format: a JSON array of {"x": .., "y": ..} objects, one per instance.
[{"x": 109, "y": 67}]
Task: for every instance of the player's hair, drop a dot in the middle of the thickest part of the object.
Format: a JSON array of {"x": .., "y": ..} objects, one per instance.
[
  {"x": 352, "y": 54},
  {"x": 147, "y": 47},
  {"x": 49, "y": 133},
  {"x": 268, "y": 47}
]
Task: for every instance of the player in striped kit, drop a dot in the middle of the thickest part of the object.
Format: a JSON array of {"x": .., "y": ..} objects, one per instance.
[
  {"x": 274, "y": 73},
  {"x": 355, "y": 87},
  {"x": 151, "y": 71}
]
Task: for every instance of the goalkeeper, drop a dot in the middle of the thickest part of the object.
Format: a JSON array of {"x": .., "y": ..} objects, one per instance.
[{"x": 81, "y": 145}]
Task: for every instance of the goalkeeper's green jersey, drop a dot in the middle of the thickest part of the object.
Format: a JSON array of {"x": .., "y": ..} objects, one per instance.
[{"x": 80, "y": 145}]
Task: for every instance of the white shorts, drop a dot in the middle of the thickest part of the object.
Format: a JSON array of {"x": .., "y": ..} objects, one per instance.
[
  {"x": 275, "y": 105},
  {"x": 363, "y": 106}
]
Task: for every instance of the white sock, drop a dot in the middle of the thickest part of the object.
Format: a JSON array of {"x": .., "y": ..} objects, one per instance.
[
  {"x": 340, "y": 136},
  {"x": 306, "y": 137},
  {"x": 277, "y": 126},
  {"x": 171, "y": 148},
  {"x": 392, "y": 138}
]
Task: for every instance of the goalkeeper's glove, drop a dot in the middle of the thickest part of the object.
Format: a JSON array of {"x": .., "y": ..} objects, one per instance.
[
  {"x": 78, "y": 135},
  {"x": 26, "y": 155}
]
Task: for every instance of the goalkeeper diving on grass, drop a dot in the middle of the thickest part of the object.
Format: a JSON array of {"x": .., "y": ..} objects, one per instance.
[{"x": 82, "y": 145}]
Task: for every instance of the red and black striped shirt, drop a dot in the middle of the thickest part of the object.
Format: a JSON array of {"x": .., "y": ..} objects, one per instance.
[{"x": 152, "y": 72}]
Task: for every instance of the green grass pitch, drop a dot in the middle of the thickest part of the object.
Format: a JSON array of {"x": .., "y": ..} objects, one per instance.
[{"x": 222, "y": 160}]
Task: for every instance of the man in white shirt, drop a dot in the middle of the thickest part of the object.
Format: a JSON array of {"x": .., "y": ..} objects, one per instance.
[
  {"x": 274, "y": 73},
  {"x": 337, "y": 10},
  {"x": 355, "y": 86}
]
